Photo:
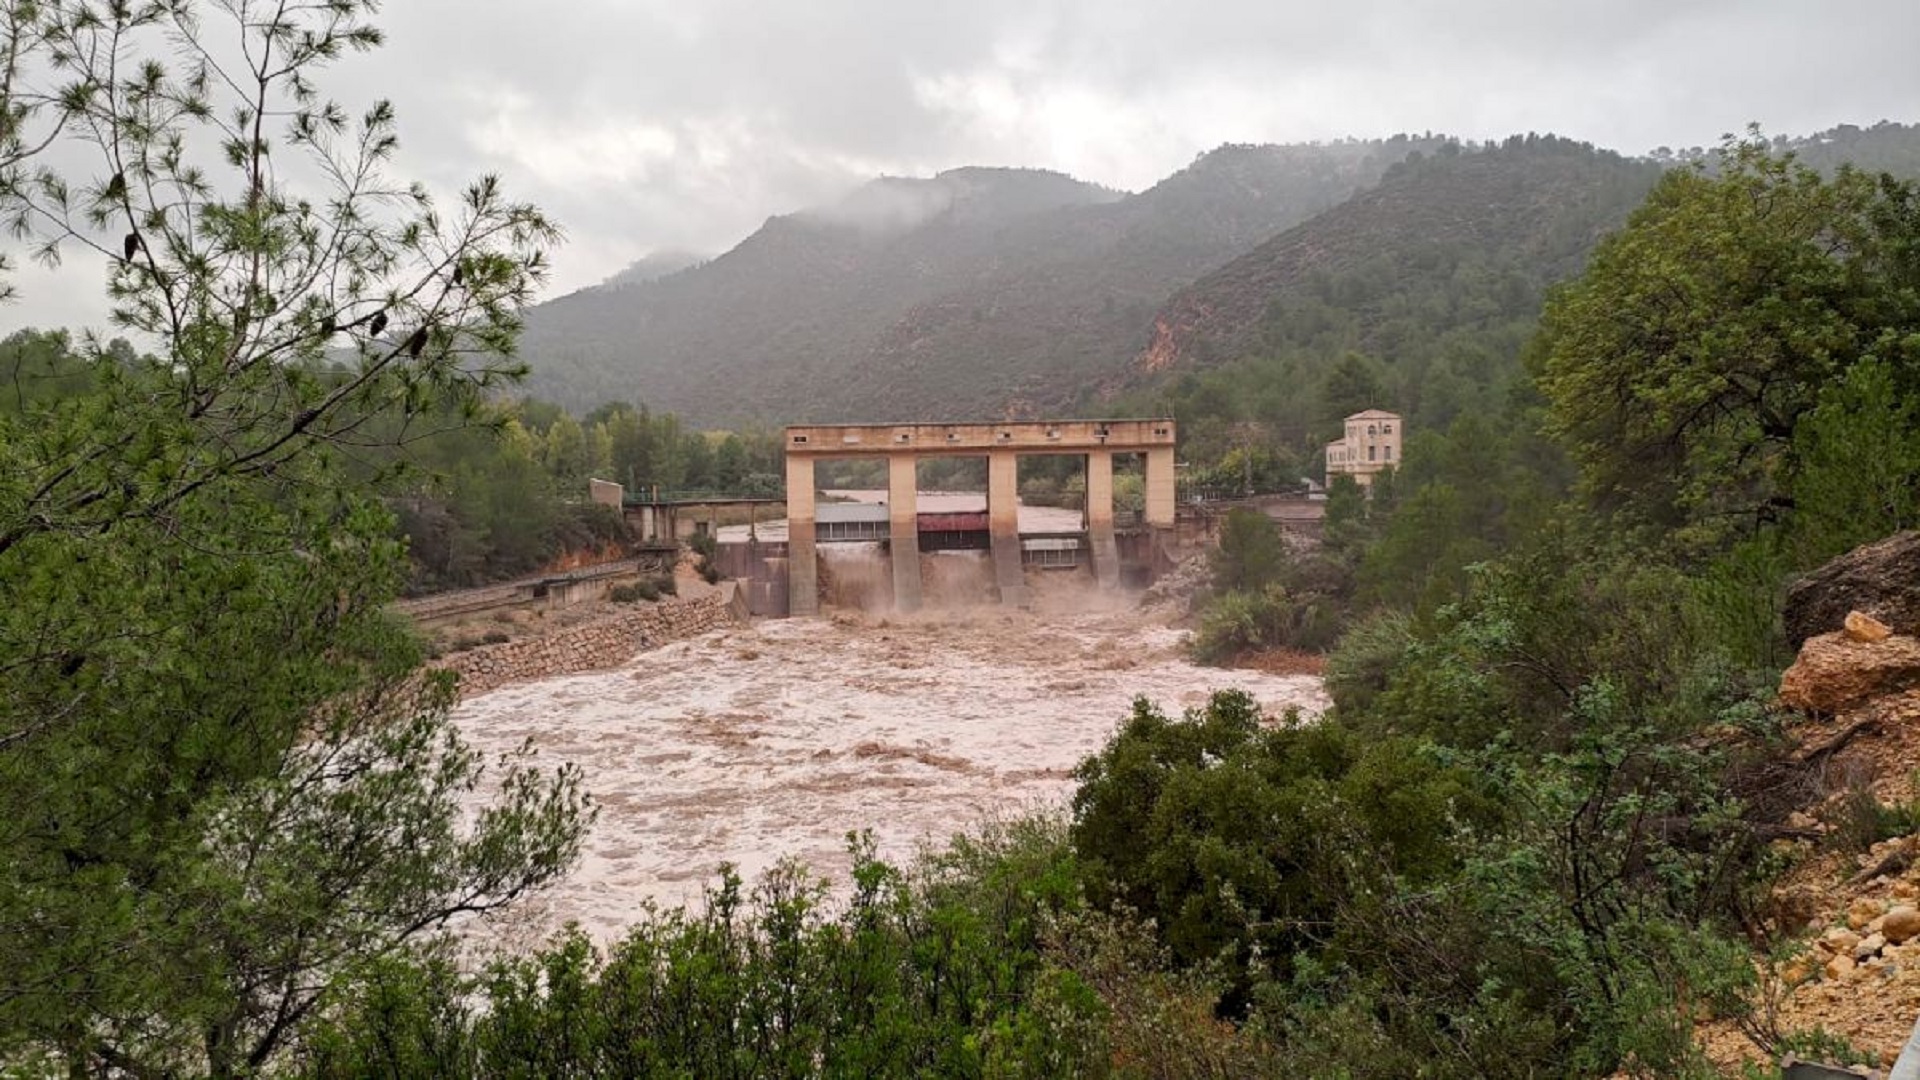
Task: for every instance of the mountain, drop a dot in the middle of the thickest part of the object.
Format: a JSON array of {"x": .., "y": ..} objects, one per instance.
[
  {"x": 1419, "y": 294},
  {"x": 972, "y": 294},
  {"x": 652, "y": 267},
  {"x": 1527, "y": 211},
  {"x": 1886, "y": 147},
  {"x": 980, "y": 293}
]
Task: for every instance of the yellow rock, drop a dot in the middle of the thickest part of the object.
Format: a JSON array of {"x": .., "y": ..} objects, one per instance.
[
  {"x": 1839, "y": 967},
  {"x": 1840, "y": 940},
  {"x": 1863, "y": 911},
  {"x": 1864, "y": 627},
  {"x": 1901, "y": 923}
]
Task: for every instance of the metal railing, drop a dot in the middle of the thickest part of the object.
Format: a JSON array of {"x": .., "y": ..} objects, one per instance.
[{"x": 669, "y": 496}]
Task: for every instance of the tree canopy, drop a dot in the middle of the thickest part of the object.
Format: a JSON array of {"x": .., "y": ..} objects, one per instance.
[
  {"x": 223, "y": 779},
  {"x": 1678, "y": 369}
]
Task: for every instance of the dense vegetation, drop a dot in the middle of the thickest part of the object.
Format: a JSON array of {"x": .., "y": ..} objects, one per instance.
[
  {"x": 508, "y": 497},
  {"x": 1529, "y": 840},
  {"x": 481, "y": 492},
  {"x": 1417, "y": 295},
  {"x": 223, "y": 779}
]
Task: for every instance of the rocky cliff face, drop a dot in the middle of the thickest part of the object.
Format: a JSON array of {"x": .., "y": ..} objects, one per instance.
[
  {"x": 1881, "y": 580},
  {"x": 1849, "y": 909},
  {"x": 1849, "y": 667}
]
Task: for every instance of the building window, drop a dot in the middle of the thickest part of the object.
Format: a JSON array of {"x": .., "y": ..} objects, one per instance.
[
  {"x": 1371, "y": 432},
  {"x": 1389, "y": 453},
  {"x": 1386, "y": 429},
  {"x": 1370, "y": 451}
]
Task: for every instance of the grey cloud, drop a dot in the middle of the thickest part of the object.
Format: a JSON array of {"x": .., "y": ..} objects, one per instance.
[{"x": 649, "y": 124}]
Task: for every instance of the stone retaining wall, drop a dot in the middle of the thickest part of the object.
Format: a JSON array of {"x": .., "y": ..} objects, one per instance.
[{"x": 602, "y": 643}]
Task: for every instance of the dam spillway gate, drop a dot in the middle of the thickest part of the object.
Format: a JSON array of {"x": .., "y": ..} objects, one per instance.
[{"x": 905, "y": 532}]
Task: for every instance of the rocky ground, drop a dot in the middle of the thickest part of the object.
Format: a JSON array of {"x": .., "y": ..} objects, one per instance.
[{"x": 1851, "y": 965}]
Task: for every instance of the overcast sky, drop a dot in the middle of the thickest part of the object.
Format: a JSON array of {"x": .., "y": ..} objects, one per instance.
[{"x": 652, "y": 124}]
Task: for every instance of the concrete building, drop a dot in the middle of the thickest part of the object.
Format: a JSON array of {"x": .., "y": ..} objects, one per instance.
[
  {"x": 1372, "y": 444},
  {"x": 904, "y": 445}
]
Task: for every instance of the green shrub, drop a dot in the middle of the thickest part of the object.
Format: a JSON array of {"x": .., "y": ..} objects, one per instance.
[
  {"x": 1251, "y": 554},
  {"x": 705, "y": 546},
  {"x": 634, "y": 593},
  {"x": 936, "y": 970},
  {"x": 1271, "y": 618},
  {"x": 646, "y": 589},
  {"x": 1239, "y": 839},
  {"x": 1358, "y": 670}
]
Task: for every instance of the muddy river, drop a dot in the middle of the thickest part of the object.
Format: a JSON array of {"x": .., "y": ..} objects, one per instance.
[{"x": 750, "y": 744}]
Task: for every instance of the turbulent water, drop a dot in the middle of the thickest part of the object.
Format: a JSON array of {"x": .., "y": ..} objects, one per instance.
[{"x": 750, "y": 744}]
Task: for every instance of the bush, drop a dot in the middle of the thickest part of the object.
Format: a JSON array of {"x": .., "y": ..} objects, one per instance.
[
  {"x": 1243, "y": 843},
  {"x": 634, "y": 593},
  {"x": 1251, "y": 554},
  {"x": 646, "y": 589},
  {"x": 935, "y": 970},
  {"x": 705, "y": 546},
  {"x": 1358, "y": 671},
  {"x": 1238, "y": 622}
]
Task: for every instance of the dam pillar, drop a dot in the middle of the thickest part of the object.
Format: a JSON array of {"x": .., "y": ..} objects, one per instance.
[
  {"x": 1003, "y": 525},
  {"x": 1160, "y": 507},
  {"x": 803, "y": 583},
  {"x": 903, "y": 529},
  {"x": 1160, "y": 488},
  {"x": 1104, "y": 552}
]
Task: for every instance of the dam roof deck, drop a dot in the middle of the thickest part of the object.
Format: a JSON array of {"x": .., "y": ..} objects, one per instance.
[{"x": 1026, "y": 437}]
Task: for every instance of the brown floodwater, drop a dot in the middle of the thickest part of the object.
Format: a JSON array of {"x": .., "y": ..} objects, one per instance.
[{"x": 754, "y": 744}]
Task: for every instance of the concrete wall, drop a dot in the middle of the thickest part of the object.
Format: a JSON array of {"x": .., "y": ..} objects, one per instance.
[
  {"x": 903, "y": 445},
  {"x": 934, "y": 440},
  {"x": 607, "y": 493},
  {"x": 603, "y": 643}
]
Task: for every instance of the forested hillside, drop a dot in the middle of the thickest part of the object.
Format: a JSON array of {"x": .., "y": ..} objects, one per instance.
[
  {"x": 992, "y": 292},
  {"x": 1417, "y": 295},
  {"x": 967, "y": 295}
]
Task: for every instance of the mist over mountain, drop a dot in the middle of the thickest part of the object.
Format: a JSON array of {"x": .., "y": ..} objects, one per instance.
[
  {"x": 996, "y": 292},
  {"x": 973, "y": 293},
  {"x": 652, "y": 267}
]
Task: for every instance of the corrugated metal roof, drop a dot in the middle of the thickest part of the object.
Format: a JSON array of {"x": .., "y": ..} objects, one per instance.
[{"x": 849, "y": 512}]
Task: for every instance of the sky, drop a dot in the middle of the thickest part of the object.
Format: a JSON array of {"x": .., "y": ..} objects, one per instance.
[{"x": 645, "y": 125}]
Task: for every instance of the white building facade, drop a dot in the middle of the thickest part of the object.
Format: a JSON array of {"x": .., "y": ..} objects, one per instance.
[{"x": 1370, "y": 447}]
